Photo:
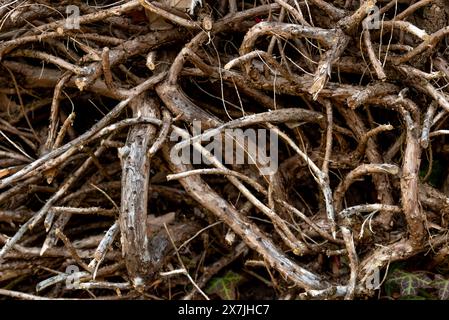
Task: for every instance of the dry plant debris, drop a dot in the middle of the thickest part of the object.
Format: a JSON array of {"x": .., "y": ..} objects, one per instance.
[{"x": 93, "y": 203}]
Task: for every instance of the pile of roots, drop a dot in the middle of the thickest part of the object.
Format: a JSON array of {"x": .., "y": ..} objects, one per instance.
[{"x": 94, "y": 204}]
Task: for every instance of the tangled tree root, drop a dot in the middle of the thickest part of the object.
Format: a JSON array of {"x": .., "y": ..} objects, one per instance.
[{"x": 93, "y": 199}]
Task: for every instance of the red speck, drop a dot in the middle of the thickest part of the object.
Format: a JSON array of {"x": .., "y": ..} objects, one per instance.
[
  {"x": 258, "y": 19},
  {"x": 137, "y": 16}
]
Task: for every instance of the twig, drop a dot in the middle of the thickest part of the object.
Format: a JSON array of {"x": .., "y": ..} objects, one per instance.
[
  {"x": 319, "y": 177},
  {"x": 427, "y": 124},
  {"x": 163, "y": 134},
  {"x": 107, "y": 68},
  {"x": 72, "y": 250},
  {"x": 369, "y": 208},
  {"x": 83, "y": 211},
  {"x": 169, "y": 16},
  {"x": 275, "y": 116},
  {"x": 361, "y": 147},
  {"x": 360, "y": 171},
  {"x": 372, "y": 56},
  {"x": 243, "y": 177},
  {"x": 82, "y": 138},
  {"x": 103, "y": 247},
  {"x": 50, "y": 59}
]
